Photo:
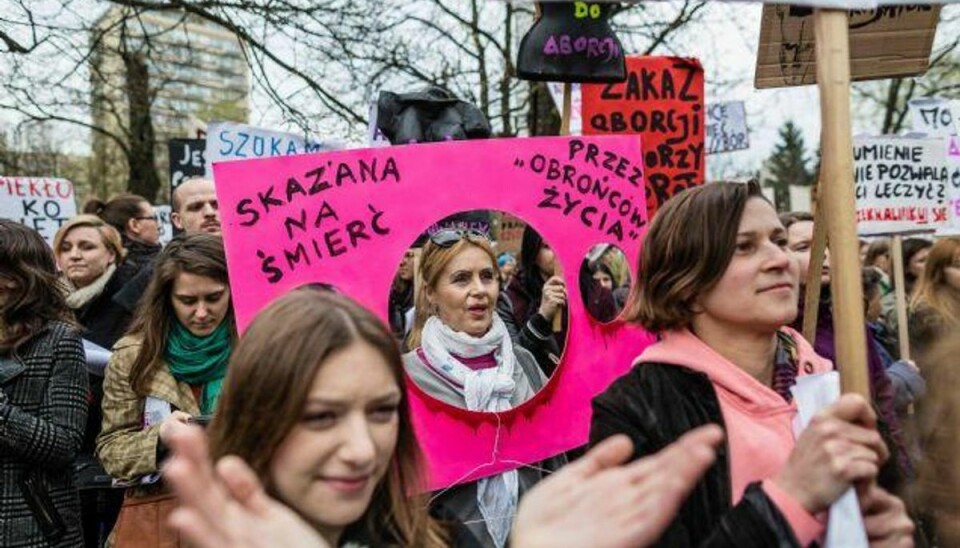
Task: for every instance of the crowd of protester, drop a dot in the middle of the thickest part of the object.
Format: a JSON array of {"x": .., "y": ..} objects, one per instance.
[{"x": 308, "y": 438}]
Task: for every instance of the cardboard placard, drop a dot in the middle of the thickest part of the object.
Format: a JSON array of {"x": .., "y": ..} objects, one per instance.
[
  {"x": 885, "y": 42},
  {"x": 901, "y": 185},
  {"x": 727, "y": 127},
  {"x": 934, "y": 116},
  {"x": 340, "y": 217},
  {"x": 662, "y": 100},
  {"x": 571, "y": 42},
  {"x": 40, "y": 203},
  {"x": 232, "y": 141}
]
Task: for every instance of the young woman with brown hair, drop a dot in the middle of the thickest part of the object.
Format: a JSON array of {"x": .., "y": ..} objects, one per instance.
[
  {"x": 43, "y": 390},
  {"x": 338, "y": 445},
  {"x": 339, "y": 454},
  {"x": 718, "y": 283},
  {"x": 171, "y": 364}
]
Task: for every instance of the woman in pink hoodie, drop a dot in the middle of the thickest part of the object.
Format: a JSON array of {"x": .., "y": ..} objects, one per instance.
[{"x": 717, "y": 282}]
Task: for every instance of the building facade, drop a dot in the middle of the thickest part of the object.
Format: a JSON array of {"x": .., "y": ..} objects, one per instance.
[{"x": 170, "y": 68}]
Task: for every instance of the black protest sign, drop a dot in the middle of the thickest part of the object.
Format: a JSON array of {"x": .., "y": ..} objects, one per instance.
[
  {"x": 572, "y": 42},
  {"x": 186, "y": 160}
]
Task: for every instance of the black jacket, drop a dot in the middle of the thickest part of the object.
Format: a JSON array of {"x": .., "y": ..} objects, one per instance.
[
  {"x": 103, "y": 320},
  {"x": 654, "y": 404}
]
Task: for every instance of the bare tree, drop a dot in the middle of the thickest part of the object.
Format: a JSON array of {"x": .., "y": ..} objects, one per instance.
[
  {"x": 317, "y": 63},
  {"x": 887, "y": 101}
]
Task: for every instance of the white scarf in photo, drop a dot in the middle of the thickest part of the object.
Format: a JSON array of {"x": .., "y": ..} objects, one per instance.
[
  {"x": 77, "y": 298},
  {"x": 483, "y": 390}
]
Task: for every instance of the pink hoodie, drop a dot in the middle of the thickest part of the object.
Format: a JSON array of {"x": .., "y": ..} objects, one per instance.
[{"x": 759, "y": 423}]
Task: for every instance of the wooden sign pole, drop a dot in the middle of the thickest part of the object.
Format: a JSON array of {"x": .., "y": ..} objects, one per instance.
[
  {"x": 567, "y": 107},
  {"x": 900, "y": 286},
  {"x": 838, "y": 201},
  {"x": 811, "y": 298}
]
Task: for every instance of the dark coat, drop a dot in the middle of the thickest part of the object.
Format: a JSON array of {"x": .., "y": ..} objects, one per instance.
[
  {"x": 654, "y": 404},
  {"x": 104, "y": 321},
  {"x": 881, "y": 390},
  {"x": 528, "y": 328},
  {"x": 43, "y": 410}
]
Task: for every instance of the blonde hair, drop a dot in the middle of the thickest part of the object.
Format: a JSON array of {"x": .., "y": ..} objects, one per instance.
[
  {"x": 433, "y": 260},
  {"x": 108, "y": 234}
]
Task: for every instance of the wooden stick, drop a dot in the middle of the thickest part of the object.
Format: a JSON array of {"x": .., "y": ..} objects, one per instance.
[
  {"x": 565, "y": 114},
  {"x": 839, "y": 203},
  {"x": 818, "y": 251},
  {"x": 900, "y": 286}
]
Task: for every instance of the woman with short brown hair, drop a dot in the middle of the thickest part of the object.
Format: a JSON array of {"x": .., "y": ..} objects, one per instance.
[{"x": 717, "y": 282}]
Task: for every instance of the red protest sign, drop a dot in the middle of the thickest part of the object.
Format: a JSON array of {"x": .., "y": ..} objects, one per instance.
[{"x": 662, "y": 100}]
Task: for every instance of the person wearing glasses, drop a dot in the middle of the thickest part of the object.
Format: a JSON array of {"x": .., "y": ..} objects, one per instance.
[
  {"x": 463, "y": 355},
  {"x": 139, "y": 227}
]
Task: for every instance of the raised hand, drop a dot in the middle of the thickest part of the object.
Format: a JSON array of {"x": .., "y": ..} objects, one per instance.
[{"x": 598, "y": 501}]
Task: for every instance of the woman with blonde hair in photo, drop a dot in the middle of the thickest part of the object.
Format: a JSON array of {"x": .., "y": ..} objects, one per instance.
[{"x": 463, "y": 355}]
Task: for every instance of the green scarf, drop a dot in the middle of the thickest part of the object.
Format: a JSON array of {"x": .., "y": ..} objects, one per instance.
[{"x": 200, "y": 360}]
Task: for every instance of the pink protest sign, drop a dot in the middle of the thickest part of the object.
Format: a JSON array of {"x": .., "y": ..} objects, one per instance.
[{"x": 347, "y": 217}]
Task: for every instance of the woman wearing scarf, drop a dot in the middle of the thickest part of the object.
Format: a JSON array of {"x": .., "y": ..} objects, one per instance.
[
  {"x": 170, "y": 366},
  {"x": 464, "y": 356},
  {"x": 89, "y": 254},
  {"x": 91, "y": 258}
]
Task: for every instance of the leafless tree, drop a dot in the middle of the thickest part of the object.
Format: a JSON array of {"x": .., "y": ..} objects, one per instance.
[{"x": 886, "y": 101}]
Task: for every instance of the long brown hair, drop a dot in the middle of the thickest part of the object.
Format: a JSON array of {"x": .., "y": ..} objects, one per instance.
[
  {"x": 932, "y": 290},
  {"x": 686, "y": 251},
  {"x": 200, "y": 254},
  {"x": 26, "y": 258},
  {"x": 432, "y": 262},
  {"x": 273, "y": 368}
]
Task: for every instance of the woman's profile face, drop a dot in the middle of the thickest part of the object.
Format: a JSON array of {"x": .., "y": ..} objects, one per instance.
[
  {"x": 83, "y": 256},
  {"x": 330, "y": 464},
  {"x": 466, "y": 292},
  {"x": 200, "y": 303},
  {"x": 759, "y": 289}
]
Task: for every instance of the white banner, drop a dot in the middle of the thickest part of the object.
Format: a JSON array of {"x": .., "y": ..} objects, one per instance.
[
  {"x": 232, "y": 141},
  {"x": 901, "y": 184},
  {"x": 726, "y": 127},
  {"x": 953, "y": 186},
  {"x": 934, "y": 116},
  {"x": 41, "y": 203},
  {"x": 166, "y": 226}
]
